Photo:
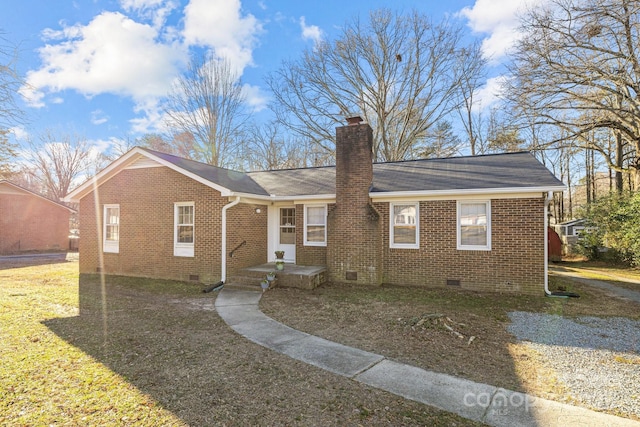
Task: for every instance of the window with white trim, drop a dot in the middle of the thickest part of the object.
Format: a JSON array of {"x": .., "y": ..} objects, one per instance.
[
  {"x": 404, "y": 227},
  {"x": 474, "y": 225},
  {"x": 184, "y": 229},
  {"x": 315, "y": 225},
  {"x": 111, "y": 230}
]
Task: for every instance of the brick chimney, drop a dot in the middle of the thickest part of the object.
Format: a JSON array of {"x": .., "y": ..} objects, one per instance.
[{"x": 354, "y": 246}]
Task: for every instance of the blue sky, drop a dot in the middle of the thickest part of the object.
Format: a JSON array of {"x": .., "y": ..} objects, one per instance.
[{"x": 99, "y": 68}]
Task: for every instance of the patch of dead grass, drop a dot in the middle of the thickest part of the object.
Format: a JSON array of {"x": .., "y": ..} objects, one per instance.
[
  {"x": 154, "y": 353},
  {"x": 432, "y": 328}
]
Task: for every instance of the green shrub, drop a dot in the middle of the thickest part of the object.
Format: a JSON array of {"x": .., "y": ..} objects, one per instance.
[{"x": 615, "y": 222}]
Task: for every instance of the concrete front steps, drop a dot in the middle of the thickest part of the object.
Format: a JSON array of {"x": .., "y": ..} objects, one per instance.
[{"x": 293, "y": 276}]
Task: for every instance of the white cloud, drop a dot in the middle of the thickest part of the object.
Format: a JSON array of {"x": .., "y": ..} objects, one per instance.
[
  {"x": 100, "y": 146},
  {"x": 254, "y": 97},
  {"x": 111, "y": 54},
  {"x": 98, "y": 117},
  {"x": 151, "y": 121},
  {"x": 220, "y": 24},
  {"x": 20, "y": 133},
  {"x": 155, "y": 10},
  {"x": 310, "y": 32},
  {"x": 136, "y": 54},
  {"x": 489, "y": 93},
  {"x": 499, "y": 20}
]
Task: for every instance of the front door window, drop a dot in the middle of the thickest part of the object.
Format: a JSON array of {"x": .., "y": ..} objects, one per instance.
[{"x": 287, "y": 226}]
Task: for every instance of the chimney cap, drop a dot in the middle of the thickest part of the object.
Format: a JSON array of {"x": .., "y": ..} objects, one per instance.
[{"x": 354, "y": 120}]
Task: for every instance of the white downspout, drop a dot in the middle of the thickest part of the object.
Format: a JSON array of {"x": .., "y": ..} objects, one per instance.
[
  {"x": 223, "y": 252},
  {"x": 547, "y": 200}
]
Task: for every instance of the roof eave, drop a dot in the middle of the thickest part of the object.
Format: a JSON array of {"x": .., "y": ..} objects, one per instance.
[
  {"x": 114, "y": 168},
  {"x": 7, "y": 182},
  {"x": 407, "y": 194},
  {"x": 276, "y": 198},
  {"x": 466, "y": 192}
]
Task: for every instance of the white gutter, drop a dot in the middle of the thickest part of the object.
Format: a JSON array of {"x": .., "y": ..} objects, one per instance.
[
  {"x": 223, "y": 252},
  {"x": 463, "y": 192},
  {"x": 547, "y": 200}
]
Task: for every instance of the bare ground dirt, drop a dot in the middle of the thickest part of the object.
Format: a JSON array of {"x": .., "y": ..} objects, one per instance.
[
  {"x": 457, "y": 332},
  {"x": 166, "y": 339}
]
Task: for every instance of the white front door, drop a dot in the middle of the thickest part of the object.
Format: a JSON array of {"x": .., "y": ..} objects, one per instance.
[{"x": 286, "y": 233}]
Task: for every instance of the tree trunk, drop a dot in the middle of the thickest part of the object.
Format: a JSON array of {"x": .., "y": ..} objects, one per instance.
[{"x": 619, "y": 159}]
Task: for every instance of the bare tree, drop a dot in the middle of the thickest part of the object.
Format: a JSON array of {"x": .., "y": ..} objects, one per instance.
[
  {"x": 469, "y": 108},
  {"x": 56, "y": 163},
  {"x": 7, "y": 153},
  {"x": 10, "y": 83},
  {"x": 207, "y": 105},
  {"x": 401, "y": 73},
  {"x": 10, "y": 113},
  {"x": 270, "y": 149},
  {"x": 577, "y": 69}
]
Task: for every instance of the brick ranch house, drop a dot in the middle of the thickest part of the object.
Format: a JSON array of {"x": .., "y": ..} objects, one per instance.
[
  {"x": 30, "y": 222},
  {"x": 473, "y": 222}
]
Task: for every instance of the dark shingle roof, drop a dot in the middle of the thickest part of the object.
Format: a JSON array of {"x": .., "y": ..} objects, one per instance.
[
  {"x": 235, "y": 181},
  {"x": 510, "y": 170},
  {"x": 298, "y": 182},
  {"x": 495, "y": 171}
]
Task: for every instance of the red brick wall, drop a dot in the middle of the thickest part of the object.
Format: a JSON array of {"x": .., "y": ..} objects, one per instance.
[
  {"x": 514, "y": 264},
  {"x": 244, "y": 224},
  {"x": 308, "y": 255},
  {"x": 146, "y": 198},
  {"x": 29, "y": 223}
]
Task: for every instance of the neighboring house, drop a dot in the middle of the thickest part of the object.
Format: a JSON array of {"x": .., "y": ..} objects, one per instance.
[
  {"x": 570, "y": 233},
  {"x": 472, "y": 222},
  {"x": 30, "y": 222},
  {"x": 571, "y": 228}
]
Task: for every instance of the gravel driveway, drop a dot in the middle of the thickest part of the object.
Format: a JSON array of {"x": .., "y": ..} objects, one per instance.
[{"x": 597, "y": 359}]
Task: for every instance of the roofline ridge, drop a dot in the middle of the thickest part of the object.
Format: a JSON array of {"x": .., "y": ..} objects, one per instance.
[
  {"x": 454, "y": 157},
  {"x": 293, "y": 169}
]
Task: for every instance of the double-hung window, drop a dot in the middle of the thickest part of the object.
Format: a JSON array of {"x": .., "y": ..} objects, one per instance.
[
  {"x": 315, "y": 225},
  {"x": 474, "y": 225},
  {"x": 404, "y": 227},
  {"x": 111, "y": 230},
  {"x": 184, "y": 229}
]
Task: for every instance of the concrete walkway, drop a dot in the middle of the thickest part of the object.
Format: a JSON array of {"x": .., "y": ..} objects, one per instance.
[
  {"x": 479, "y": 402},
  {"x": 605, "y": 286}
]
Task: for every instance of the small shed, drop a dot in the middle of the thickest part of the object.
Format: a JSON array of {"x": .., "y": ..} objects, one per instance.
[
  {"x": 31, "y": 222},
  {"x": 555, "y": 245}
]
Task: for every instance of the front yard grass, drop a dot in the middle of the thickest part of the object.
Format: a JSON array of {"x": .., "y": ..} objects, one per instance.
[
  {"x": 152, "y": 352},
  {"x": 155, "y": 353}
]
